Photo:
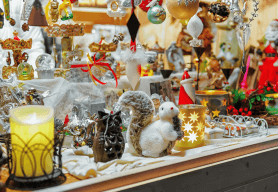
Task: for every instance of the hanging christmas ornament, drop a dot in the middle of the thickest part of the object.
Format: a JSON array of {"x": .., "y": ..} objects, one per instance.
[
  {"x": 115, "y": 8},
  {"x": 218, "y": 12},
  {"x": 156, "y": 14},
  {"x": 195, "y": 27},
  {"x": 37, "y": 15},
  {"x": 134, "y": 61},
  {"x": 1, "y": 18},
  {"x": 128, "y": 4},
  {"x": 145, "y": 5},
  {"x": 133, "y": 27},
  {"x": 7, "y": 12},
  {"x": 182, "y": 9},
  {"x": 121, "y": 37},
  {"x": 243, "y": 30},
  {"x": 115, "y": 40}
]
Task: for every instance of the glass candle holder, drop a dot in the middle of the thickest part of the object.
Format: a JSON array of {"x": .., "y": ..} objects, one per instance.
[
  {"x": 193, "y": 126},
  {"x": 215, "y": 100},
  {"x": 32, "y": 140}
]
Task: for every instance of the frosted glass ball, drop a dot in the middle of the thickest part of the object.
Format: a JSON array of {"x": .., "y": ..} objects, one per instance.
[{"x": 45, "y": 62}]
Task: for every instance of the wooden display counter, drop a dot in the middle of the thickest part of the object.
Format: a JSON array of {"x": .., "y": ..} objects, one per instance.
[{"x": 249, "y": 166}]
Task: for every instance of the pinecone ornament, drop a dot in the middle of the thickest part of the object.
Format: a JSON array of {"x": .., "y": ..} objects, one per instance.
[
  {"x": 121, "y": 37},
  {"x": 115, "y": 40}
]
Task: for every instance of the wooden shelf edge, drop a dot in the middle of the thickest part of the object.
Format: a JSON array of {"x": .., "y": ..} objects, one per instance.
[{"x": 188, "y": 164}]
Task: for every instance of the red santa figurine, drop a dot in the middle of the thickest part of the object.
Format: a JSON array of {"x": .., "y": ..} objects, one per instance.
[
  {"x": 187, "y": 89},
  {"x": 269, "y": 69}
]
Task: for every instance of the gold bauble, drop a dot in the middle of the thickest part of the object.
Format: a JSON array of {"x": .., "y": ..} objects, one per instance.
[{"x": 182, "y": 11}]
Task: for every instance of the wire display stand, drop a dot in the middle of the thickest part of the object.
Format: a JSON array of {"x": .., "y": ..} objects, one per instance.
[{"x": 241, "y": 126}]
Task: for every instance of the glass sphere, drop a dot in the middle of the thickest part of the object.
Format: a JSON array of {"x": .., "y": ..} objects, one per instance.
[
  {"x": 45, "y": 62},
  {"x": 156, "y": 14},
  {"x": 25, "y": 71},
  {"x": 218, "y": 12}
]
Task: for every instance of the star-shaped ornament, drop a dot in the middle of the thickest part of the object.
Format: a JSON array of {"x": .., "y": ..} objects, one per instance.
[
  {"x": 224, "y": 102},
  {"x": 216, "y": 113},
  {"x": 192, "y": 137},
  {"x": 204, "y": 102},
  {"x": 194, "y": 117},
  {"x": 200, "y": 127},
  {"x": 187, "y": 127}
]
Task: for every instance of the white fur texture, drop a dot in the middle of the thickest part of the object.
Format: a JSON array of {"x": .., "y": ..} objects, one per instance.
[{"x": 156, "y": 136}]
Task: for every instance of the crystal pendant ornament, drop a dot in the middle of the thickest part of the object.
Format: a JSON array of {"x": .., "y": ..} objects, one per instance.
[
  {"x": 243, "y": 35},
  {"x": 156, "y": 14},
  {"x": 195, "y": 27},
  {"x": 147, "y": 4},
  {"x": 182, "y": 9},
  {"x": 115, "y": 40},
  {"x": 218, "y": 12},
  {"x": 121, "y": 37}
]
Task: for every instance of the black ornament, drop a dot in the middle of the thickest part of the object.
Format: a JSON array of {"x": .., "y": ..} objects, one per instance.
[{"x": 133, "y": 26}]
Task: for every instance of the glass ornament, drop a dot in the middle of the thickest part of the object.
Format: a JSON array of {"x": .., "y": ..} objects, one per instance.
[
  {"x": 156, "y": 14},
  {"x": 45, "y": 62}
]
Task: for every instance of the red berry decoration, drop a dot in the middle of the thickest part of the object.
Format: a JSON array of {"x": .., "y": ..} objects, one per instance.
[
  {"x": 249, "y": 113},
  {"x": 235, "y": 111},
  {"x": 268, "y": 89},
  {"x": 260, "y": 91},
  {"x": 246, "y": 109},
  {"x": 261, "y": 87},
  {"x": 266, "y": 84},
  {"x": 243, "y": 114},
  {"x": 240, "y": 110}
]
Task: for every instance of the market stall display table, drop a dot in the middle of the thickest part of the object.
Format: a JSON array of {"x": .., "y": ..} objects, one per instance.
[{"x": 223, "y": 165}]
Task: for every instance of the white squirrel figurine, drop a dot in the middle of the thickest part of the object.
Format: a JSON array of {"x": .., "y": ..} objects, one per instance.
[{"x": 145, "y": 136}]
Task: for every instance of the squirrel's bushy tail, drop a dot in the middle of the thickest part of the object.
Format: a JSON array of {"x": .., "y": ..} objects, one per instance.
[{"x": 142, "y": 109}]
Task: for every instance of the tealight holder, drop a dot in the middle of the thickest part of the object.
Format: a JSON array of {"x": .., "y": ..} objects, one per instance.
[
  {"x": 193, "y": 126},
  {"x": 33, "y": 151},
  {"x": 215, "y": 100}
]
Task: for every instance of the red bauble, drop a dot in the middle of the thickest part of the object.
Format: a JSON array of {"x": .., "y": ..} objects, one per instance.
[
  {"x": 249, "y": 113},
  {"x": 145, "y": 3},
  {"x": 240, "y": 110},
  {"x": 268, "y": 89},
  {"x": 243, "y": 114},
  {"x": 246, "y": 109}
]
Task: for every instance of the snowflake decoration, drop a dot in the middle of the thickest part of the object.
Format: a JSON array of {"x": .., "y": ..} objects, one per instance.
[
  {"x": 200, "y": 127},
  {"x": 192, "y": 137},
  {"x": 193, "y": 117},
  {"x": 187, "y": 127}
]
